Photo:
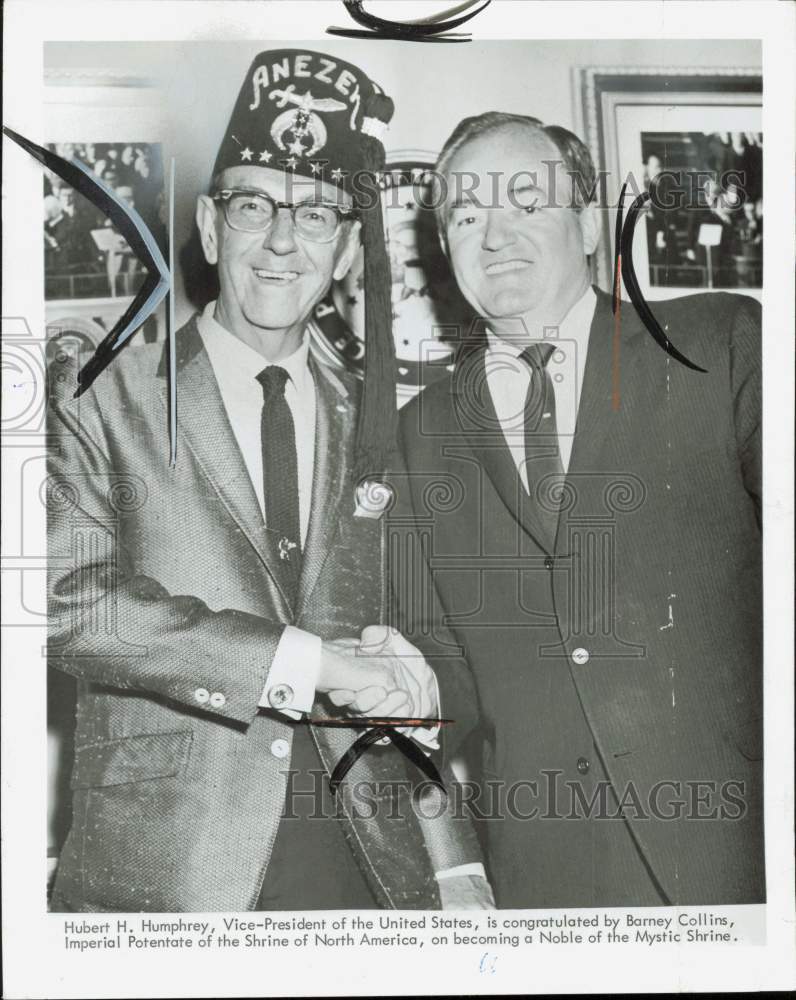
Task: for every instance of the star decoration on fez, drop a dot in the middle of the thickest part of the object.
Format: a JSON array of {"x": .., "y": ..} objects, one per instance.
[
  {"x": 315, "y": 168},
  {"x": 291, "y": 162},
  {"x": 246, "y": 154},
  {"x": 296, "y": 147},
  {"x": 337, "y": 174},
  {"x": 266, "y": 157}
]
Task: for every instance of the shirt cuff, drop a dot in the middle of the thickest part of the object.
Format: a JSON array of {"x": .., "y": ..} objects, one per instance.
[
  {"x": 475, "y": 868},
  {"x": 294, "y": 673}
]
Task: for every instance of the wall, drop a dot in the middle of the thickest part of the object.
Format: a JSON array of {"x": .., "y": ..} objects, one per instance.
[{"x": 433, "y": 86}]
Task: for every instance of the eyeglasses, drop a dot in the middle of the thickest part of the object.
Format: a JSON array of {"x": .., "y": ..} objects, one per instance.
[{"x": 255, "y": 212}]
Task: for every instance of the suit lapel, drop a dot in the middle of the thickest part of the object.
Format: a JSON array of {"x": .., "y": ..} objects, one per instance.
[
  {"x": 333, "y": 439},
  {"x": 476, "y": 415},
  {"x": 204, "y": 427},
  {"x": 606, "y": 356}
]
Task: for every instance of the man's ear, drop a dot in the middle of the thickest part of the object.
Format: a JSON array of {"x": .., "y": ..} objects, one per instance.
[
  {"x": 206, "y": 222},
  {"x": 347, "y": 251},
  {"x": 590, "y": 228}
]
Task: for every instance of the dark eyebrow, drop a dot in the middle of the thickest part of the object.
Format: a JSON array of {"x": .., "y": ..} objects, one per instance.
[
  {"x": 324, "y": 201},
  {"x": 526, "y": 187},
  {"x": 311, "y": 200},
  {"x": 465, "y": 202}
]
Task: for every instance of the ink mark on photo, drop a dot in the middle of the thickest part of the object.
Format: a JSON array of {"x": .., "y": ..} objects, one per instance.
[
  {"x": 132, "y": 227},
  {"x": 435, "y": 28},
  {"x": 379, "y": 729},
  {"x": 623, "y": 264}
]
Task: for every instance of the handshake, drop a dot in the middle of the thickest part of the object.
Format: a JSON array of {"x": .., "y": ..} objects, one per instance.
[{"x": 381, "y": 674}]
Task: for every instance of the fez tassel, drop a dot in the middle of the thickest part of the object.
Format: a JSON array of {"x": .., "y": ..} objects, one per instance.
[{"x": 378, "y": 418}]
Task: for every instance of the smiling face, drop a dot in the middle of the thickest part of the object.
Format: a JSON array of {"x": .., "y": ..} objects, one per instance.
[
  {"x": 516, "y": 246},
  {"x": 270, "y": 282}
]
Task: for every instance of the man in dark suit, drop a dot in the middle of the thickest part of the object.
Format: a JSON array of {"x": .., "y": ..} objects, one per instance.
[
  {"x": 590, "y": 511},
  {"x": 210, "y": 610}
]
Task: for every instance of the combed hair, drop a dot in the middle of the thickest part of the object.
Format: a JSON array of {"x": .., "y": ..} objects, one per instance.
[{"x": 574, "y": 153}]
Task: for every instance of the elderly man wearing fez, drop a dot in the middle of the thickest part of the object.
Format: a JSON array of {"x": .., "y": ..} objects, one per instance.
[
  {"x": 601, "y": 564},
  {"x": 214, "y": 612}
]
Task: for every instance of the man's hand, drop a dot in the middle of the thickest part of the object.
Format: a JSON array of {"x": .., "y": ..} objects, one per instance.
[
  {"x": 359, "y": 682},
  {"x": 466, "y": 892},
  {"x": 382, "y": 674}
]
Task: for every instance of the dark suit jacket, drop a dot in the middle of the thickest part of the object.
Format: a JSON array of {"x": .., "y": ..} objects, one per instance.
[
  {"x": 628, "y": 648},
  {"x": 164, "y": 589}
]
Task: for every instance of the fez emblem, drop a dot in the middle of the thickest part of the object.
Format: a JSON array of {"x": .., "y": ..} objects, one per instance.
[{"x": 301, "y": 120}]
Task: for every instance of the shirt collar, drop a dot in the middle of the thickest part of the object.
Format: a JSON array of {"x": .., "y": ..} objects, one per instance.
[
  {"x": 229, "y": 354},
  {"x": 574, "y": 326}
]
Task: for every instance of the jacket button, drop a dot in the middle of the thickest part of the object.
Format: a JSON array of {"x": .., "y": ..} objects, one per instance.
[
  {"x": 583, "y": 765},
  {"x": 280, "y": 748},
  {"x": 217, "y": 700},
  {"x": 202, "y": 695},
  {"x": 580, "y": 656},
  {"x": 280, "y": 695},
  {"x": 549, "y": 562}
]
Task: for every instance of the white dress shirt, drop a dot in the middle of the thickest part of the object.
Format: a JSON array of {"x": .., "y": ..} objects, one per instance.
[
  {"x": 508, "y": 379},
  {"x": 297, "y": 662},
  {"x": 236, "y": 367}
]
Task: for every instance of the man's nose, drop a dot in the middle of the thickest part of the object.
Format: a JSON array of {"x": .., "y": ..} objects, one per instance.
[
  {"x": 281, "y": 236},
  {"x": 499, "y": 230}
]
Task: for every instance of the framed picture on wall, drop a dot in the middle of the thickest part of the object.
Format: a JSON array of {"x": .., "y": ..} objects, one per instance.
[
  {"x": 113, "y": 123},
  {"x": 692, "y": 139}
]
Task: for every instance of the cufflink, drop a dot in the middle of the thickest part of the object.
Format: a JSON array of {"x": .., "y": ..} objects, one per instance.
[
  {"x": 373, "y": 498},
  {"x": 280, "y": 695}
]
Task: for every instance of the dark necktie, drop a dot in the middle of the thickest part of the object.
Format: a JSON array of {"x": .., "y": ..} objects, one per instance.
[
  {"x": 542, "y": 454},
  {"x": 280, "y": 475}
]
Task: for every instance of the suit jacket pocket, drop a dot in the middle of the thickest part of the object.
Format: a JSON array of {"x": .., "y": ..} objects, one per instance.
[{"x": 134, "y": 758}]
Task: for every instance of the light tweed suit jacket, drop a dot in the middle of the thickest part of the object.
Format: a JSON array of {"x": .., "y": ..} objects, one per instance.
[{"x": 166, "y": 606}]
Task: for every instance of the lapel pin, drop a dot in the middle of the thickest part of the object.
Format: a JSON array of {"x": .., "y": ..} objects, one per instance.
[
  {"x": 285, "y": 548},
  {"x": 373, "y": 498}
]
